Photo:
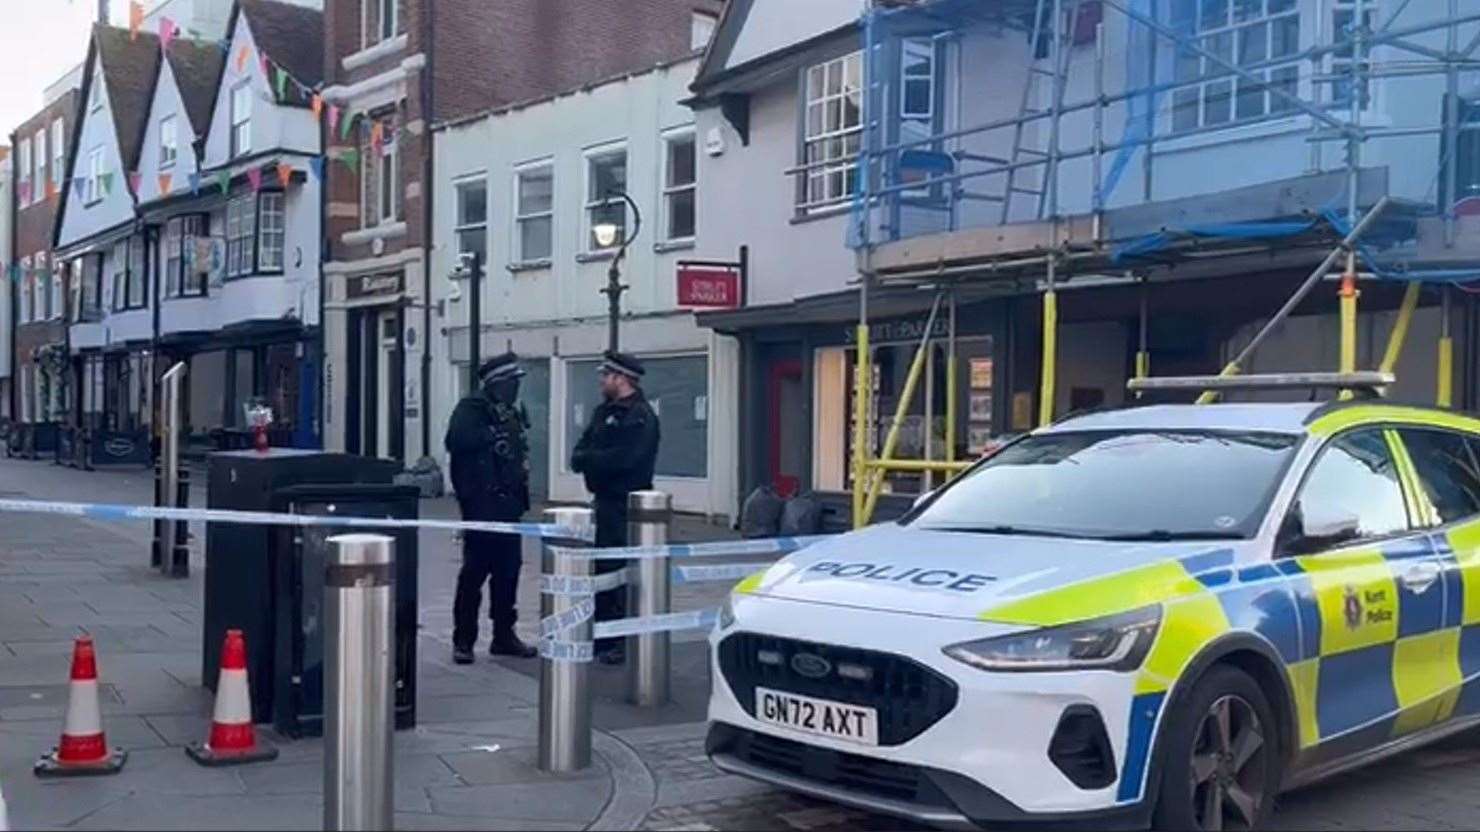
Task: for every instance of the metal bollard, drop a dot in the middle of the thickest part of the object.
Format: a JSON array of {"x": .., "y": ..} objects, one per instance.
[
  {"x": 565, "y": 686},
  {"x": 180, "y": 551},
  {"x": 156, "y": 550},
  {"x": 648, "y": 516},
  {"x": 359, "y": 620}
]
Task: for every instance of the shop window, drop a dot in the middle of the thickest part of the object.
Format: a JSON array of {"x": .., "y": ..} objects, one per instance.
[
  {"x": 678, "y": 390},
  {"x": 923, "y": 430},
  {"x": 534, "y": 212},
  {"x": 472, "y": 218}
]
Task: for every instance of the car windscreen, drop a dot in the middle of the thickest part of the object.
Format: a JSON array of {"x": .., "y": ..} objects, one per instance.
[{"x": 1118, "y": 485}]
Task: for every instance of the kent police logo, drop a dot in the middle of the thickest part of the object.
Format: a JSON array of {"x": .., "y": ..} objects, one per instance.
[{"x": 1352, "y": 608}]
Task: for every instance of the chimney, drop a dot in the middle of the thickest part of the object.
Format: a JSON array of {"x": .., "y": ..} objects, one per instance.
[{"x": 103, "y": 12}]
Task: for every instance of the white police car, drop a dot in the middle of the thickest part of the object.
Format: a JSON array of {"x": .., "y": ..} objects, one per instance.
[{"x": 1164, "y": 615}]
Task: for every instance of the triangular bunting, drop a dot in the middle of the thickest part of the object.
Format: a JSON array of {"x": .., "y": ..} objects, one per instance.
[
  {"x": 194, "y": 179},
  {"x": 333, "y": 118},
  {"x": 167, "y": 33},
  {"x": 317, "y": 103},
  {"x": 165, "y": 180},
  {"x": 79, "y": 186},
  {"x": 106, "y": 180},
  {"x": 316, "y": 165},
  {"x": 266, "y": 65},
  {"x": 284, "y": 174},
  {"x": 351, "y": 158},
  {"x": 254, "y": 177},
  {"x": 377, "y": 136},
  {"x": 133, "y": 181},
  {"x": 223, "y": 181},
  {"x": 241, "y": 59},
  {"x": 346, "y": 126},
  {"x": 51, "y": 191},
  {"x": 282, "y": 83},
  {"x": 25, "y": 192},
  {"x": 135, "y": 19}
]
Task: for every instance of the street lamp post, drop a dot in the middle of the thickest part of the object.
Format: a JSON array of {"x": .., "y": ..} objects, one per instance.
[{"x": 606, "y": 235}]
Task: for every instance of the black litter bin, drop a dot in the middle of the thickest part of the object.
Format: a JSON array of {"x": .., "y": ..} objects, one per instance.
[
  {"x": 298, "y": 694},
  {"x": 241, "y": 587}
]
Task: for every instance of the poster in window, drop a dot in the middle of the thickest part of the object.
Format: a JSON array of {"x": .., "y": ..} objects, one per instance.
[
  {"x": 981, "y": 373},
  {"x": 977, "y": 439},
  {"x": 981, "y": 407}
]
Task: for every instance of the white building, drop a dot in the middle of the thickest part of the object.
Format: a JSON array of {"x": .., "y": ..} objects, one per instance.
[
  {"x": 525, "y": 185},
  {"x": 6, "y": 321}
]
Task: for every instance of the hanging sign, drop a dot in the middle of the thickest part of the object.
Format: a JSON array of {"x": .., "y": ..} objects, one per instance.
[{"x": 708, "y": 285}]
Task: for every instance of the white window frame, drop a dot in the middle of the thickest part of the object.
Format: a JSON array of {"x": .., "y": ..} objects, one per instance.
[
  {"x": 388, "y": 196},
  {"x": 522, "y": 217},
  {"x": 671, "y": 191},
  {"x": 93, "y": 193},
  {"x": 23, "y": 171},
  {"x": 58, "y": 292},
  {"x": 118, "y": 277},
  {"x": 241, "y": 119},
  {"x": 241, "y": 239},
  {"x": 169, "y": 141},
  {"x": 58, "y": 151},
  {"x": 1342, "y": 12},
  {"x": 272, "y": 231},
  {"x": 1221, "y": 93},
  {"x": 28, "y": 372},
  {"x": 592, "y": 201},
  {"x": 95, "y": 92},
  {"x": 28, "y": 292},
  {"x": 835, "y": 181},
  {"x": 906, "y": 79},
  {"x": 702, "y": 26},
  {"x": 393, "y": 7},
  {"x": 38, "y": 158},
  {"x": 461, "y": 227}
]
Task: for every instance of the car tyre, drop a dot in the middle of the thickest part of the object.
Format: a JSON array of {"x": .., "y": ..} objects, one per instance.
[{"x": 1221, "y": 756}]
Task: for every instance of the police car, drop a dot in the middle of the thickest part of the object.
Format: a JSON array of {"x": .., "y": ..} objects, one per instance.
[{"x": 1162, "y": 615}]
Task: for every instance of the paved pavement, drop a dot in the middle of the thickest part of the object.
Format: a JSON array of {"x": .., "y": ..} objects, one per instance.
[{"x": 470, "y": 762}]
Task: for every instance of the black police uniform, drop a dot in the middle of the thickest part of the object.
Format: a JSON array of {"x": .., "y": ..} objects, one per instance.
[
  {"x": 490, "y": 473},
  {"x": 616, "y": 454}
]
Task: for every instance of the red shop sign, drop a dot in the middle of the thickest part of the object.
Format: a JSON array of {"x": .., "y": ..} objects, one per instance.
[{"x": 708, "y": 286}]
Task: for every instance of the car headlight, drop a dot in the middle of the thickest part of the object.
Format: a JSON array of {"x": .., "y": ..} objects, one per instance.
[
  {"x": 1116, "y": 642},
  {"x": 726, "y": 613}
]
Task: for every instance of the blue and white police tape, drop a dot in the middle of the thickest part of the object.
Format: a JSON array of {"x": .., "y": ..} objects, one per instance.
[
  {"x": 723, "y": 548},
  {"x": 581, "y": 584},
  {"x": 723, "y": 572},
  {"x": 554, "y": 648},
  {"x": 120, "y": 513}
]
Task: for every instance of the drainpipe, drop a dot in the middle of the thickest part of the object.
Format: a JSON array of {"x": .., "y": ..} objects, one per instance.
[{"x": 428, "y": 114}]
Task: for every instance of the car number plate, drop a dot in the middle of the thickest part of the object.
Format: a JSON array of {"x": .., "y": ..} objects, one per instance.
[{"x": 851, "y": 723}]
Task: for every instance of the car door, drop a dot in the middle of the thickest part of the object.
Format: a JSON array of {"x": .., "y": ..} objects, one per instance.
[
  {"x": 1377, "y": 596},
  {"x": 1446, "y": 472}
]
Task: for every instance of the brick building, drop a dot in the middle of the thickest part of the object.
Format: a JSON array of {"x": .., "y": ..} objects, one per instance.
[
  {"x": 392, "y": 68},
  {"x": 40, "y": 394}
]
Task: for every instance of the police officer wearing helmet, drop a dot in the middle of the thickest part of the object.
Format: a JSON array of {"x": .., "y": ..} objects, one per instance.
[
  {"x": 616, "y": 453},
  {"x": 490, "y": 473}
]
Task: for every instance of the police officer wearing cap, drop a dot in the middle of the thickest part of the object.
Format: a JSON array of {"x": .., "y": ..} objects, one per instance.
[
  {"x": 490, "y": 473},
  {"x": 616, "y": 454}
]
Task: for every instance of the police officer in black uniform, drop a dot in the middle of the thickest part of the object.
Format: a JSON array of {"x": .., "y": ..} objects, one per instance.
[
  {"x": 490, "y": 473},
  {"x": 616, "y": 454}
]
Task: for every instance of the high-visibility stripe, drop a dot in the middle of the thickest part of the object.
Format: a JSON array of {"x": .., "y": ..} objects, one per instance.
[
  {"x": 1348, "y": 417},
  {"x": 1304, "y": 678},
  {"x": 1424, "y": 668},
  {"x": 1096, "y": 597},
  {"x": 1357, "y": 597},
  {"x": 1465, "y": 541},
  {"x": 1187, "y": 625},
  {"x": 750, "y": 584}
]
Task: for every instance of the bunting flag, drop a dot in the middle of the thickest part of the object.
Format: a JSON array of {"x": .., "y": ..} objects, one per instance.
[
  {"x": 266, "y": 66},
  {"x": 351, "y": 158},
  {"x": 377, "y": 136},
  {"x": 168, "y": 31},
  {"x": 194, "y": 179},
  {"x": 79, "y": 185},
  {"x": 165, "y": 180},
  {"x": 254, "y": 177},
  {"x": 241, "y": 59},
  {"x": 133, "y": 181},
  {"x": 282, "y": 83},
  {"x": 25, "y": 192},
  {"x": 333, "y": 118},
  {"x": 135, "y": 19},
  {"x": 105, "y": 180},
  {"x": 345, "y": 126},
  {"x": 51, "y": 191},
  {"x": 223, "y": 181},
  {"x": 317, "y": 103},
  {"x": 316, "y": 165},
  {"x": 284, "y": 174}
]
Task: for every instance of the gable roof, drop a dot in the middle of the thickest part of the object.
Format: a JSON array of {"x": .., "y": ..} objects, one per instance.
[
  {"x": 827, "y": 22},
  {"x": 197, "y": 67},
  {"x": 130, "y": 65},
  {"x": 291, "y": 36}
]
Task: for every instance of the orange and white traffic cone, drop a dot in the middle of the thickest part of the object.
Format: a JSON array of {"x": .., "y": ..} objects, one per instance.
[
  {"x": 83, "y": 749},
  {"x": 233, "y": 739}
]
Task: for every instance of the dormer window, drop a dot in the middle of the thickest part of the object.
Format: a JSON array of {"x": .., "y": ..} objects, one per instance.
[
  {"x": 168, "y": 142},
  {"x": 241, "y": 119}
]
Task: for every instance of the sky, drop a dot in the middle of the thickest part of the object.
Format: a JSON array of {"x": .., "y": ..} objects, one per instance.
[{"x": 40, "y": 40}]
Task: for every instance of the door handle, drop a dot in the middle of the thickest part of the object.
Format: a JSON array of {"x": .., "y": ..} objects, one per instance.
[{"x": 1420, "y": 577}]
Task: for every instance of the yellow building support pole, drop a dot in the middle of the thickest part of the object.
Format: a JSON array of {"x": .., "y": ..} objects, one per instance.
[
  {"x": 952, "y": 367},
  {"x": 862, "y": 382},
  {"x": 891, "y": 439},
  {"x": 1050, "y": 352},
  {"x": 1399, "y": 337},
  {"x": 1445, "y": 385},
  {"x": 1349, "y": 319}
]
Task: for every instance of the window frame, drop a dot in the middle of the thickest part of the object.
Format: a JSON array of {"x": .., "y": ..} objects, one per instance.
[
  {"x": 1389, "y": 437},
  {"x": 169, "y": 151},
  {"x": 26, "y": 313},
  {"x": 670, "y": 191},
  {"x": 58, "y": 150},
  {"x": 379, "y": 174},
  {"x": 176, "y": 272},
  {"x": 240, "y": 124},
  {"x": 93, "y": 193},
  {"x": 261, "y": 231},
  {"x": 58, "y": 299},
  {"x": 1207, "y": 77},
  {"x": 22, "y": 172},
  {"x": 591, "y": 203},
  {"x": 521, "y": 217},
  {"x": 1339, "y": 66},
  {"x": 1421, "y": 495},
  {"x": 826, "y": 165},
  {"x": 241, "y": 245},
  {"x": 38, "y": 160},
  {"x": 702, "y": 21},
  {"x": 461, "y": 227}
]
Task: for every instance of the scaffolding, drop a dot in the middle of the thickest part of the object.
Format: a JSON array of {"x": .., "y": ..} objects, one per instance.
[{"x": 940, "y": 178}]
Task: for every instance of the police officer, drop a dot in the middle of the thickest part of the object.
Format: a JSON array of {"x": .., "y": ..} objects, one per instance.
[
  {"x": 616, "y": 454},
  {"x": 490, "y": 473}
]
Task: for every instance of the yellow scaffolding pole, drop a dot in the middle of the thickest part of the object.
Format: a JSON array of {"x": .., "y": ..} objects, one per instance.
[
  {"x": 1399, "y": 336},
  {"x": 951, "y": 371},
  {"x": 863, "y": 369},
  {"x": 1050, "y": 354},
  {"x": 1349, "y": 319},
  {"x": 1445, "y": 385},
  {"x": 917, "y": 466},
  {"x": 875, "y": 479}
]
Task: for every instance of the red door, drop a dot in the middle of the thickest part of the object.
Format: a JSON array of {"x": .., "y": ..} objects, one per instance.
[{"x": 784, "y": 396}]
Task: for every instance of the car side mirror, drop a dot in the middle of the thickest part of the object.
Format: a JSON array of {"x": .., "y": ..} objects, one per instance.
[{"x": 1313, "y": 534}]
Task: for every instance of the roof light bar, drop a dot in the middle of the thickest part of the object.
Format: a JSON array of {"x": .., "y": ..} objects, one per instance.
[{"x": 1367, "y": 381}]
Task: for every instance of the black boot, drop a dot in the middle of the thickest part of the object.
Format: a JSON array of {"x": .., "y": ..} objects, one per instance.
[
  {"x": 507, "y": 643},
  {"x": 462, "y": 655}
]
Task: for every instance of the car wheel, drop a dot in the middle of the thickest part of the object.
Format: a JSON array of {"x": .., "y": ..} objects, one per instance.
[{"x": 1220, "y": 756}]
